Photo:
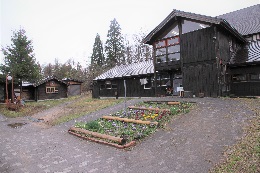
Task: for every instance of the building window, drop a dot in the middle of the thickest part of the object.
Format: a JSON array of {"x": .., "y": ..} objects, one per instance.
[
  {"x": 102, "y": 87},
  {"x": 254, "y": 76},
  {"x": 163, "y": 80},
  {"x": 108, "y": 85},
  {"x": 114, "y": 86},
  {"x": 167, "y": 49},
  {"x": 239, "y": 77},
  {"x": 147, "y": 82},
  {"x": 51, "y": 90}
]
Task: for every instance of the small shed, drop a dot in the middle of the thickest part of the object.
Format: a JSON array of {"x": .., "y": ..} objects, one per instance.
[{"x": 74, "y": 86}]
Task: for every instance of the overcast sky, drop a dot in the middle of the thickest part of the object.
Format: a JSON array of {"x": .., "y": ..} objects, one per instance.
[{"x": 65, "y": 29}]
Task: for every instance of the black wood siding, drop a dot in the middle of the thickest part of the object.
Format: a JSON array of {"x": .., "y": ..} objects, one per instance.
[
  {"x": 247, "y": 87},
  {"x": 200, "y": 70},
  {"x": 42, "y": 95},
  {"x": 133, "y": 89}
]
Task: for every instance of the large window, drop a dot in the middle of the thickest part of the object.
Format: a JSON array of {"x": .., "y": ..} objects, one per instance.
[{"x": 167, "y": 49}]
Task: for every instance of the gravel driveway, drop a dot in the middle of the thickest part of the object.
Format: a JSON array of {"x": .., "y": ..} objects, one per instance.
[{"x": 193, "y": 142}]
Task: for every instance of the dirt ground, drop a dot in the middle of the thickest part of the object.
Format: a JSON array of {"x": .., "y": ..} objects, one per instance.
[{"x": 193, "y": 142}]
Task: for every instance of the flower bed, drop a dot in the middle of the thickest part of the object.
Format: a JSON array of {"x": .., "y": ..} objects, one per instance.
[{"x": 135, "y": 124}]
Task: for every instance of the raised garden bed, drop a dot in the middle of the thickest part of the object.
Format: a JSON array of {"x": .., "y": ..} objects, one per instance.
[{"x": 123, "y": 129}]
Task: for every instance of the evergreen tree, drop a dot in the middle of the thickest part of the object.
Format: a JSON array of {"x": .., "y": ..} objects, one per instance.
[
  {"x": 114, "y": 47},
  {"x": 19, "y": 59},
  {"x": 97, "y": 57}
]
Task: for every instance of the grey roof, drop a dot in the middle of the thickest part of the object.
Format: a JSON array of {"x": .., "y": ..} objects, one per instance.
[
  {"x": 254, "y": 51},
  {"x": 27, "y": 84},
  {"x": 246, "y": 21},
  {"x": 172, "y": 17},
  {"x": 47, "y": 80},
  {"x": 134, "y": 69}
]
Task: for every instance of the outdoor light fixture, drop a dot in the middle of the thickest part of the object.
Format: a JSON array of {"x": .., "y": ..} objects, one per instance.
[{"x": 8, "y": 77}]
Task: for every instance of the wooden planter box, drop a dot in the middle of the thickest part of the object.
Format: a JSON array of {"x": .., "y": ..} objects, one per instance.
[
  {"x": 97, "y": 137},
  {"x": 130, "y": 120}
]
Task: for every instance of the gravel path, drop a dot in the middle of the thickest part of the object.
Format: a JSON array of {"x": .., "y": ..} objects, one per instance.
[{"x": 193, "y": 142}]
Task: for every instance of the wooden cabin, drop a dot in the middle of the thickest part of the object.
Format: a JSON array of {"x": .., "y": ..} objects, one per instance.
[
  {"x": 51, "y": 89},
  {"x": 206, "y": 56}
]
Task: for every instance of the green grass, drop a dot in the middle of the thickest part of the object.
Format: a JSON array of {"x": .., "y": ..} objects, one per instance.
[
  {"x": 32, "y": 107},
  {"x": 77, "y": 106},
  {"x": 84, "y": 106}
]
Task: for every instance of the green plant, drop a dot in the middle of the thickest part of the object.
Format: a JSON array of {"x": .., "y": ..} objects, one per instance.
[{"x": 174, "y": 110}]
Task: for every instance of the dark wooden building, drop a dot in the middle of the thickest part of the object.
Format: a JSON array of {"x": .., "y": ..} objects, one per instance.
[
  {"x": 51, "y": 89},
  {"x": 200, "y": 47},
  {"x": 74, "y": 86},
  {"x": 210, "y": 56},
  {"x": 138, "y": 78},
  {"x": 244, "y": 76}
]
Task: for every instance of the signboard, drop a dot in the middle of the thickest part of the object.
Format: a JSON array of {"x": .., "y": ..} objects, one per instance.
[{"x": 179, "y": 89}]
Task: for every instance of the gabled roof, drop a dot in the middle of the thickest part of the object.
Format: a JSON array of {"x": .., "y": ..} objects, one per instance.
[
  {"x": 172, "y": 17},
  {"x": 134, "y": 69},
  {"x": 246, "y": 20},
  {"x": 47, "y": 80}
]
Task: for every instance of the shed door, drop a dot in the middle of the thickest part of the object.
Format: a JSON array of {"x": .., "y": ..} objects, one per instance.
[{"x": 74, "y": 90}]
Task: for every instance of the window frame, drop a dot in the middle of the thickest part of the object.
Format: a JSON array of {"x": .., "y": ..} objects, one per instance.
[
  {"x": 149, "y": 82},
  {"x": 166, "y": 45},
  {"x": 51, "y": 90}
]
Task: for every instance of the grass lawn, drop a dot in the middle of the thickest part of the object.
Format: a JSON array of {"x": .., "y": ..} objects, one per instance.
[{"x": 75, "y": 107}]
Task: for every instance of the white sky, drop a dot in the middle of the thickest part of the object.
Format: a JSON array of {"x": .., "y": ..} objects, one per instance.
[{"x": 65, "y": 29}]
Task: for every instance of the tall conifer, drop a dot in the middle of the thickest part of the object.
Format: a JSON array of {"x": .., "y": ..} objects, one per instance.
[{"x": 114, "y": 46}]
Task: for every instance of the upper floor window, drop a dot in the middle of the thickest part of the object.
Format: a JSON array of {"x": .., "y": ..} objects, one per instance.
[{"x": 167, "y": 49}]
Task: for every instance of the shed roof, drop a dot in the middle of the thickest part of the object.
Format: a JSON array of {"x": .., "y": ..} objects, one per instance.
[
  {"x": 172, "y": 17},
  {"x": 47, "y": 80},
  {"x": 134, "y": 69},
  {"x": 246, "y": 20}
]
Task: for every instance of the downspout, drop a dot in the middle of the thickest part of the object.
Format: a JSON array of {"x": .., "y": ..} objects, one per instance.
[{"x": 155, "y": 76}]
